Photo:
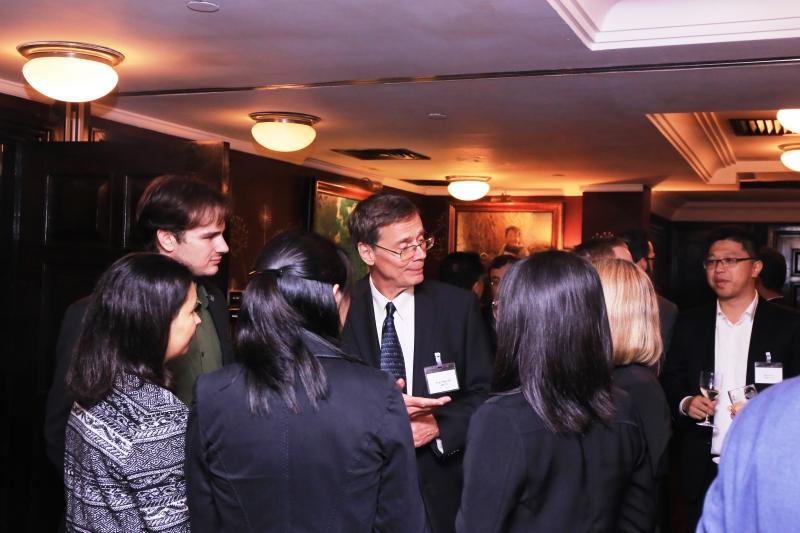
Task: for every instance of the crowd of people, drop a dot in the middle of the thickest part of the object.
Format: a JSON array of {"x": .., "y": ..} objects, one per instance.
[{"x": 542, "y": 393}]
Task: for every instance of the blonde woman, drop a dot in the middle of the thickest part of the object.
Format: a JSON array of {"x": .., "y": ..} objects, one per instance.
[{"x": 633, "y": 316}]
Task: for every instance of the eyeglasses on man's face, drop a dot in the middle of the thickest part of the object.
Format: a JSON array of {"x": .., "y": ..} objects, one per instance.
[
  {"x": 727, "y": 262},
  {"x": 407, "y": 253}
]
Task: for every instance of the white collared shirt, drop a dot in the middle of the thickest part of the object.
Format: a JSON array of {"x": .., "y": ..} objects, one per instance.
[
  {"x": 403, "y": 323},
  {"x": 731, "y": 348}
]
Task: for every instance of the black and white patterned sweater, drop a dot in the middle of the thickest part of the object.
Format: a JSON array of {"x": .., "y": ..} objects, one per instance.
[{"x": 123, "y": 463}]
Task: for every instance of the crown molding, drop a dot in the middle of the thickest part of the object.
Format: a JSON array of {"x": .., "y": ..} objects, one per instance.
[{"x": 615, "y": 24}]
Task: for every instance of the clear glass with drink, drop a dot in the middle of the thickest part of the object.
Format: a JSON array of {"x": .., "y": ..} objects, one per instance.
[
  {"x": 709, "y": 383},
  {"x": 740, "y": 396}
]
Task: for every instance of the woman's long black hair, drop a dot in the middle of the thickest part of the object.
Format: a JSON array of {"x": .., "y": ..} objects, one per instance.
[
  {"x": 288, "y": 302},
  {"x": 554, "y": 340},
  {"x": 127, "y": 325}
]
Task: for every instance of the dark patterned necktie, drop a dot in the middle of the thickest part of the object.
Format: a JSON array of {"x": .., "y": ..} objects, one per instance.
[{"x": 391, "y": 354}]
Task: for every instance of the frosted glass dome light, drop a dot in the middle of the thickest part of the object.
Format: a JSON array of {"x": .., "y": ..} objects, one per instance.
[
  {"x": 70, "y": 71},
  {"x": 791, "y": 157},
  {"x": 468, "y": 188},
  {"x": 283, "y": 132}
]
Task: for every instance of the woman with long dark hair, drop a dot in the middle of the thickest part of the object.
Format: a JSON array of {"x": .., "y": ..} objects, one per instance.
[
  {"x": 298, "y": 436},
  {"x": 556, "y": 449},
  {"x": 123, "y": 462}
]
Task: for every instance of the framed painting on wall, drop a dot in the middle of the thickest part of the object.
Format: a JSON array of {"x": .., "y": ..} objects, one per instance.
[
  {"x": 495, "y": 228},
  {"x": 331, "y": 205}
]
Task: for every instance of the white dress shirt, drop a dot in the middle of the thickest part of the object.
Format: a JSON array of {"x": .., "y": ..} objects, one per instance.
[
  {"x": 731, "y": 347},
  {"x": 403, "y": 323}
]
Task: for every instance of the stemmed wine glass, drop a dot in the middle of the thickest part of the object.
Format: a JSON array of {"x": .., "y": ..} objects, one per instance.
[{"x": 708, "y": 388}]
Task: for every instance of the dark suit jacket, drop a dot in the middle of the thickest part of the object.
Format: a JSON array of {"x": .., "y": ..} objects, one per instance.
[
  {"x": 59, "y": 401},
  {"x": 667, "y": 314},
  {"x": 775, "y": 330},
  {"x": 447, "y": 319},
  {"x": 650, "y": 403},
  {"x": 519, "y": 476},
  {"x": 346, "y": 467}
]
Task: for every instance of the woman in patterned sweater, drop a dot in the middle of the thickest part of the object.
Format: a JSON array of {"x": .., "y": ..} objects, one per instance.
[{"x": 123, "y": 463}]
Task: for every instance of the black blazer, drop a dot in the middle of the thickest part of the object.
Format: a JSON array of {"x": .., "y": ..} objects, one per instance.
[
  {"x": 447, "y": 319},
  {"x": 59, "y": 401},
  {"x": 650, "y": 403},
  {"x": 775, "y": 330},
  {"x": 667, "y": 314},
  {"x": 347, "y": 467},
  {"x": 519, "y": 476}
]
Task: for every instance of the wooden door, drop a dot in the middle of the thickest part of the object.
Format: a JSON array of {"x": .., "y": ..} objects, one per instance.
[{"x": 68, "y": 209}]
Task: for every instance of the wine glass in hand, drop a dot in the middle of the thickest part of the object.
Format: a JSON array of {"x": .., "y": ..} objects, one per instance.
[{"x": 708, "y": 388}]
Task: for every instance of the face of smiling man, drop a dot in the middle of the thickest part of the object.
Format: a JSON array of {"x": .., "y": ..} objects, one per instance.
[
  {"x": 200, "y": 248},
  {"x": 389, "y": 273}
]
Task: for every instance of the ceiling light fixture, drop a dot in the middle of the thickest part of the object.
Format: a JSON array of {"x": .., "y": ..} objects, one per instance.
[
  {"x": 468, "y": 188},
  {"x": 283, "y": 132},
  {"x": 790, "y": 119},
  {"x": 791, "y": 156},
  {"x": 69, "y": 71}
]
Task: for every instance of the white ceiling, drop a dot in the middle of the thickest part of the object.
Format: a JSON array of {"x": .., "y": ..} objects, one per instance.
[{"x": 549, "y": 135}]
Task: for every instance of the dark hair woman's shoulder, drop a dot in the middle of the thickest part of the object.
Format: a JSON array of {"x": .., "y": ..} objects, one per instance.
[
  {"x": 350, "y": 369},
  {"x": 219, "y": 380}
]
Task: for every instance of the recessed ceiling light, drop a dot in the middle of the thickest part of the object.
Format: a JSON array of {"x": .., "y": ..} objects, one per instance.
[
  {"x": 437, "y": 116},
  {"x": 203, "y": 6}
]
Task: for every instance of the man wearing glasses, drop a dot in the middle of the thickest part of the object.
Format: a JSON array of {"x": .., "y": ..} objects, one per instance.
[
  {"x": 731, "y": 338},
  {"x": 427, "y": 335}
]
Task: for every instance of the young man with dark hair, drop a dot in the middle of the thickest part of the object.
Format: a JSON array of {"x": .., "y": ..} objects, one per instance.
[
  {"x": 497, "y": 269},
  {"x": 733, "y": 337},
  {"x": 419, "y": 330},
  {"x": 184, "y": 219}
]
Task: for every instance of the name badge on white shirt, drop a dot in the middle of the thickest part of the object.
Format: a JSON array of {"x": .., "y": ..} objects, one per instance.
[
  {"x": 768, "y": 372},
  {"x": 441, "y": 377}
]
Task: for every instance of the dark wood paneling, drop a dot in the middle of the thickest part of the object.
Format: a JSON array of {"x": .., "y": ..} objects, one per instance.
[
  {"x": 68, "y": 219},
  {"x": 614, "y": 212}
]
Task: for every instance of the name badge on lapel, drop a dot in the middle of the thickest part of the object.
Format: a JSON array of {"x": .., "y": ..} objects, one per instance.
[
  {"x": 767, "y": 372},
  {"x": 441, "y": 377}
]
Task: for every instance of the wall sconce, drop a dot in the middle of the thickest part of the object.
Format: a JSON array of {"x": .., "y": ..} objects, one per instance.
[
  {"x": 283, "y": 132},
  {"x": 468, "y": 188},
  {"x": 69, "y": 71}
]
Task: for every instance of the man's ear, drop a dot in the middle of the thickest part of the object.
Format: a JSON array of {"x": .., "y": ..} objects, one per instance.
[
  {"x": 367, "y": 253},
  {"x": 166, "y": 241},
  {"x": 758, "y": 266}
]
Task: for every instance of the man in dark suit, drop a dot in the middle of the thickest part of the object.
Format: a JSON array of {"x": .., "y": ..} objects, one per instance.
[
  {"x": 414, "y": 329},
  {"x": 728, "y": 338},
  {"x": 643, "y": 253},
  {"x": 184, "y": 219}
]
